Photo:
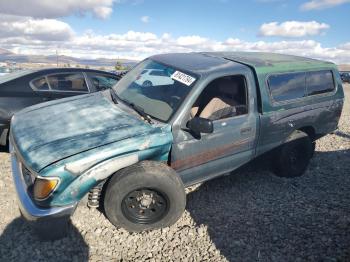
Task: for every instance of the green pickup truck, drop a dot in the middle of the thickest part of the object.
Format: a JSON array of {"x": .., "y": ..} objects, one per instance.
[{"x": 132, "y": 150}]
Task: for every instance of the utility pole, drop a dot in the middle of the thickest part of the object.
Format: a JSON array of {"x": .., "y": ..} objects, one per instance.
[{"x": 57, "y": 57}]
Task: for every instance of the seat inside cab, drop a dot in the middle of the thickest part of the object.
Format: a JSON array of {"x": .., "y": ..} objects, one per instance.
[{"x": 222, "y": 98}]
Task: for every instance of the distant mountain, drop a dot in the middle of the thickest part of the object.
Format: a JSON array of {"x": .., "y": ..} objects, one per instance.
[
  {"x": 5, "y": 52},
  {"x": 6, "y": 55},
  {"x": 344, "y": 67}
]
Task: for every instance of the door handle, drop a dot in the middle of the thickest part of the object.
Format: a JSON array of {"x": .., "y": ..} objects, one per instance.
[{"x": 246, "y": 130}]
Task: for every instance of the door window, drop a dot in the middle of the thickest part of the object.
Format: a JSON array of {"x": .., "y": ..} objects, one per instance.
[
  {"x": 102, "y": 82},
  {"x": 40, "y": 84},
  {"x": 223, "y": 98},
  {"x": 68, "y": 82}
]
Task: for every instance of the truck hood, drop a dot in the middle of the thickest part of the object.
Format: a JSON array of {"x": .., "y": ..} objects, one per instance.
[{"x": 49, "y": 132}]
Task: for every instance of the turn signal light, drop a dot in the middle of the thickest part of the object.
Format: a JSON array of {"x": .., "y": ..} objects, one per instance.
[{"x": 43, "y": 187}]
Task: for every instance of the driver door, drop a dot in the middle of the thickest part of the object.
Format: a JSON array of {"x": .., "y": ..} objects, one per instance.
[{"x": 232, "y": 143}]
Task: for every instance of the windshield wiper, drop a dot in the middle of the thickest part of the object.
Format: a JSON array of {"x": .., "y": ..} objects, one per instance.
[
  {"x": 138, "y": 109},
  {"x": 141, "y": 112},
  {"x": 113, "y": 96}
]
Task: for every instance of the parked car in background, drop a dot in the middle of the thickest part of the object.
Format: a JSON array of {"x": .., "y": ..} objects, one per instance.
[
  {"x": 4, "y": 71},
  {"x": 119, "y": 73},
  {"x": 345, "y": 77},
  {"x": 28, "y": 87},
  {"x": 133, "y": 149},
  {"x": 154, "y": 77}
]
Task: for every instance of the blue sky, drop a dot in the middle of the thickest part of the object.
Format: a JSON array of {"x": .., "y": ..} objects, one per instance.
[
  {"x": 215, "y": 19},
  {"x": 139, "y": 28}
]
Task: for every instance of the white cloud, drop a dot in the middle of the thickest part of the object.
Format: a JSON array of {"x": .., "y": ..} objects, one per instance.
[
  {"x": 53, "y": 8},
  {"x": 145, "y": 19},
  {"x": 193, "y": 40},
  {"x": 345, "y": 46},
  {"x": 26, "y": 35},
  {"x": 34, "y": 29},
  {"x": 322, "y": 4},
  {"x": 138, "y": 45},
  {"x": 293, "y": 29}
]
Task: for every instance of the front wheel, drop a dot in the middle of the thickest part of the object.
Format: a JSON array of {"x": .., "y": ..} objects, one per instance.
[{"x": 146, "y": 196}]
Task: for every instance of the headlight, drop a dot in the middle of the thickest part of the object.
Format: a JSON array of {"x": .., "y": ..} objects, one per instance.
[{"x": 44, "y": 186}]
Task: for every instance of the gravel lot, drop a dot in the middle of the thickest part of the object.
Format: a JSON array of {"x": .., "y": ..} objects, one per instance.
[{"x": 248, "y": 216}]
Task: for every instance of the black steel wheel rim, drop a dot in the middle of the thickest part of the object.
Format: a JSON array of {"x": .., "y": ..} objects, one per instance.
[{"x": 145, "y": 206}]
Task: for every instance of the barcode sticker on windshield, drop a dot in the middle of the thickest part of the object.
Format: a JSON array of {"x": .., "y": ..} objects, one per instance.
[{"x": 183, "y": 78}]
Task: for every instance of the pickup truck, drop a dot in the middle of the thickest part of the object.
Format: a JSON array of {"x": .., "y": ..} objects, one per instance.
[
  {"x": 133, "y": 149},
  {"x": 345, "y": 77}
]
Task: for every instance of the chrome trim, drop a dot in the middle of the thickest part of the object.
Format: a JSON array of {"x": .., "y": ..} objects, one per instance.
[
  {"x": 87, "y": 81},
  {"x": 28, "y": 208}
]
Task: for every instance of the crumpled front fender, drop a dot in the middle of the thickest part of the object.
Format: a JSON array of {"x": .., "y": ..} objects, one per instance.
[{"x": 78, "y": 176}]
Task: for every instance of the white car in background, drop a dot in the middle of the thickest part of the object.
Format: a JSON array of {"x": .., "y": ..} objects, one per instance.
[
  {"x": 154, "y": 77},
  {"x": 4, "y": 71}
]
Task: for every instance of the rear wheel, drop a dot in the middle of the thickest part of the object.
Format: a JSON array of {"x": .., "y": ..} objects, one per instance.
[
  {"x": 147, "y": 83},
  {"x": 294, "y": 156},
  {"x": 145, "y": 196},
  {"x": 313, "y": 148}
]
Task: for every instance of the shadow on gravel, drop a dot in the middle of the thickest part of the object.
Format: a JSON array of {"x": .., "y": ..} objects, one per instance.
[
  {"x": 18, "y": 242},
  {"x": 4, "y": 149},
  {"x": 253, "y": 215}
]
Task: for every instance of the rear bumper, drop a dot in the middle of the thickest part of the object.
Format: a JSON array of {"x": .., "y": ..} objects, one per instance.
[{"x": 29, "y": 209}]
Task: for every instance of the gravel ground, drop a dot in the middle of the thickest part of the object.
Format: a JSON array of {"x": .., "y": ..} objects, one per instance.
[{"x": 248, "y": 216}]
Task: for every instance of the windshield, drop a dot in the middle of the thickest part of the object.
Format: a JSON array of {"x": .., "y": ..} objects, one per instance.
[{"x": 155, "y": 88}]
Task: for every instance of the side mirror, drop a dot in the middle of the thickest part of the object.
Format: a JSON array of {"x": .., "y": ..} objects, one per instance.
[{"x": 200, "y": 125}]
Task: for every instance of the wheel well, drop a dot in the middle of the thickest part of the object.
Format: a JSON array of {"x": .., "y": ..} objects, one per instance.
[{"x": 310, "y": 131}]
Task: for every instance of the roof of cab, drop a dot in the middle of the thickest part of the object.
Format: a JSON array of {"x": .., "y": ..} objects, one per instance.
[
  {"x": 198, "y": 63},
  {"x": 263, "y": 63},
  {"x": 271, "y": 62}
]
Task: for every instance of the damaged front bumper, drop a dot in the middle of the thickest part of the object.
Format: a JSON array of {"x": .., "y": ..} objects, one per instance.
[{"x": 30, "y": 211}]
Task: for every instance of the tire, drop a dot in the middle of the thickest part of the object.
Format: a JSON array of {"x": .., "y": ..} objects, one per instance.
[
  {"x": 147, "y": 83},
  {"x": 145, "y": 196},
  {"x": 313, "y": 148},
  {"x": 293, "y": 157}
]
